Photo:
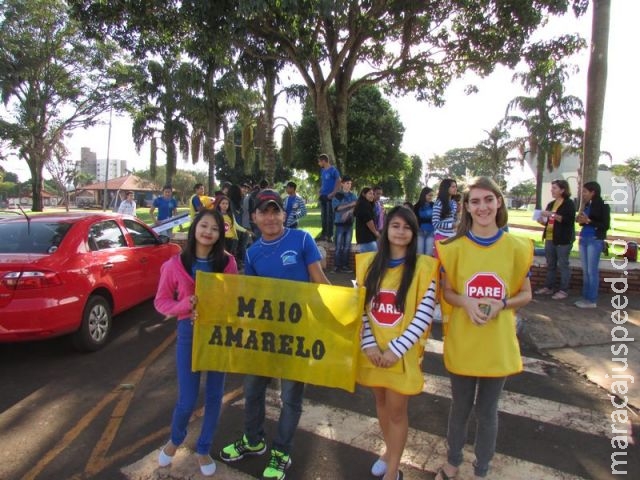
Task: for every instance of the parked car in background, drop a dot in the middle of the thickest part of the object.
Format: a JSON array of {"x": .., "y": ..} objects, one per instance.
[{"x": 69, "y": 273}]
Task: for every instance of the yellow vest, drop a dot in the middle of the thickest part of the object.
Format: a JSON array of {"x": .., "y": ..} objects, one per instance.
[
  {"x": 497, "y": 271},
  {"x": 207, "y": 202},
  {"x": 386, "y": 324}
]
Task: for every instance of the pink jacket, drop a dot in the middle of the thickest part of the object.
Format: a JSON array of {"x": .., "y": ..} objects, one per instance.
[{"x": 176, "y": 288}]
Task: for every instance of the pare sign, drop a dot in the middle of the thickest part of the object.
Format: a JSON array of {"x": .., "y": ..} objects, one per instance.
[
  {"x": 485, "y": 284},
  {"x": 383, "y": 308}
]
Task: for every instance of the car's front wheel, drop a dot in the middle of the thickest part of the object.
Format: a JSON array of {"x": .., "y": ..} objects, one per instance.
[{"x": 96, "y": 325}]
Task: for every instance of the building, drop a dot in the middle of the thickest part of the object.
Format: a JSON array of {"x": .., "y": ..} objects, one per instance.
[
  {"x": 93, "y": 195},
  {"x": 615, "y": 191},
  {"x": 97, "y": 168}
]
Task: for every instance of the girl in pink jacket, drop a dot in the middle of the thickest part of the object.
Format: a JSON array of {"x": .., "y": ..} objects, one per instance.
[{"x": 176, "y": 298}]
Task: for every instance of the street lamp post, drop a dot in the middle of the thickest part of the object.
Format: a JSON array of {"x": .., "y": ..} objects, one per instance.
[{"x": 105, "y": 200}]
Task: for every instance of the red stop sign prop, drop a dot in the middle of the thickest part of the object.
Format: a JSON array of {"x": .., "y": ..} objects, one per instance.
[
  {"x": 383, "y": 308},
  {"x": 486, "y": 285}
]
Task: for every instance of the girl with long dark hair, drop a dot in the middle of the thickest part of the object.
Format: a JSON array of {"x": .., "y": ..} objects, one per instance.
[
  {"x": 399, "y": 303},
  {"x": 205, "y": 252}
]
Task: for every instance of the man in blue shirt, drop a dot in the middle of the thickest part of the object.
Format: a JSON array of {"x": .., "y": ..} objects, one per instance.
[
  {"x": 294, "y": 206},
  {"x": 329, "y": 186},
  {"x": 287, "y": 254},
  {"x": 167, "y": 206}
]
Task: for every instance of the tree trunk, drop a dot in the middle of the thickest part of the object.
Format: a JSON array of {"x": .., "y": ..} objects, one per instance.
[
  {"x": 172, "y": 156},
  {"x": 541, "y": 162},
  {"x": 596, "y": 88},
  {"x": 269, "y": 109},
  {"x": 340, "y": 120},
  {"x": 35, "y": 165},
  {"x": 323, "y": 116}
]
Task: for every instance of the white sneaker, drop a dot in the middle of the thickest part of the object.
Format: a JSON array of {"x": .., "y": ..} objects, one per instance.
[{"x": 585, "y": 304}]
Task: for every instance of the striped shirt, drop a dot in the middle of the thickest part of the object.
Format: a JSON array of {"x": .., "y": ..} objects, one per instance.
[
  {"x": 419, "y": 324},
  {"x": 444, "y": 226}
]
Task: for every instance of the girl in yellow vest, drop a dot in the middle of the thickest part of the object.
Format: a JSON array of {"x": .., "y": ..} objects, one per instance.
[
  {"x": 231, "y": 227},
  {"x": 401, "y": 291},
  {"x": 486, "y": 277}
]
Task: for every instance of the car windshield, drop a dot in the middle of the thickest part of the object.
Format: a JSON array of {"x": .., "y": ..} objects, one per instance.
[{"x": 39, "y": 237}]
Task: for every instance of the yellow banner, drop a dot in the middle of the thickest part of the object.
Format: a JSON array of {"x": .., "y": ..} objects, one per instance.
[{"x": 278, "y": 328}]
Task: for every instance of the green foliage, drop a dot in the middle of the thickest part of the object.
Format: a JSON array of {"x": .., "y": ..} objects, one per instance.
[
  {"x": 412, "y": 178},
  {"x": 455, "y": 163},
  {"x": 375, "y": 133},
  {"x": 547, "y": 114},
  {"x": 52, "y": 80},
  {"x": 523, "y": 193},
  {"x": 630, "y": 172}
]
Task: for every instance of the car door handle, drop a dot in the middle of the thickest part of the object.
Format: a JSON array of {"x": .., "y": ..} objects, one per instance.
[
  {"x": 144, "y": 260},
  {"x": 107, "y": 266}
]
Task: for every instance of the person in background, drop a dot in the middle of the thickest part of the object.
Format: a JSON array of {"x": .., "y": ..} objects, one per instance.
[
  {"x": 343, "y": 204},
  {"x": 423, "y": 209},
  {"x": 396, "y": 279},
  {"x": 231, "y": 227},
  {"x": 128, "y": 205},
  {"x": 294, "y": 206},
  {"x": 367, "y": 234},
  {"x": 559, "y": 234},
  {"x": 329, "y": 185},
  {"x": 480, "y": 347},
  {"x": 236, "y": 194},
  {"x": 197, "y": 200},
  {"x": 204, "y": 252},
  {"x": 167, "y": 207},
  {"x": 288, "y": 254},
  {"x": 595, "y": 220},
  {"x": 378, "y": 207},
  {"x": 445, "y": 210}
]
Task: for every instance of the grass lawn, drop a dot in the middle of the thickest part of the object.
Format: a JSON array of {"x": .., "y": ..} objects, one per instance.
[{"x": 622, "y": 224}]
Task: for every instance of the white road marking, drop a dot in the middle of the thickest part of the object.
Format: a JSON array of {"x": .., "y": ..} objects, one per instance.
[
  {"x": 424, "y": 451},
  {"x": 538, "y": 409},
  {"x": 531, "y": 365}
]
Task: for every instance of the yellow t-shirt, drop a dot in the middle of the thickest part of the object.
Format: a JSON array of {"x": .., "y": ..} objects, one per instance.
[
  {"x": 386, "y": 324},
  {"x": 497, "y": 271}
]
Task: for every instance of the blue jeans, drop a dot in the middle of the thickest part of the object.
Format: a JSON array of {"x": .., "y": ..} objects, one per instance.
[
  {"x": 463, "y": 393},
  {"x": 425, "y": 242},
  {"x": 590, "y": 250},
  {"x": 291, "y": 393},
  {"x": 326, "y": 216},
  {"x": 188, "y": 389},
  {"x": 557, "y": 259},
  {"x": 368, "y": 247},
  {"x": 343, "y": 237}
]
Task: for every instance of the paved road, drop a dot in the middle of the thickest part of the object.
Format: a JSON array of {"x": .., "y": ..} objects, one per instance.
[{"x": 102, "y": 416}]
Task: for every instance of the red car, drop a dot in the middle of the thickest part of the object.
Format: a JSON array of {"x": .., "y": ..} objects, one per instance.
[{"x": 64, "y": 273}]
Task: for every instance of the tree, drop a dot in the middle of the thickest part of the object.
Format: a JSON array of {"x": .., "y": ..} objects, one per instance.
[
  {"x": 411, "y": 180},
  {"x": 456, "y": 163},
  {"x": 163, "y": 91},
  {"x": 62, "y": 172},
  {"x": 406, "y": 46},
  {"x": 596, "y": 88},
  {"x": 630, "y": 171},
  {"x": 493, "y": 155},
  {"x": 523, "y": 193},
  {"x": 52, "y": 80},
  {"x": 548, "y": 113},
  {"x": 376, "y": 134}
]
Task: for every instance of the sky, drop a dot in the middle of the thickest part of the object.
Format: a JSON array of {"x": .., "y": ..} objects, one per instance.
[{"x": 462, "y": 121}]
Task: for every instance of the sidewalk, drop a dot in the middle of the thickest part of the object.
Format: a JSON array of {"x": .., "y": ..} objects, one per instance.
[{"x": 586, "y": 339}]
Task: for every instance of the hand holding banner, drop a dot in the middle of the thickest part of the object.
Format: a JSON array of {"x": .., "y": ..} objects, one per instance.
[{"x": 278, "y": 328}]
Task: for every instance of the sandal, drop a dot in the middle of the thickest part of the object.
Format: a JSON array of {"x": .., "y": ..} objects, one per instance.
[
  {"x": 441, "y": 475},
  {"x": 543, "y": 291}
]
